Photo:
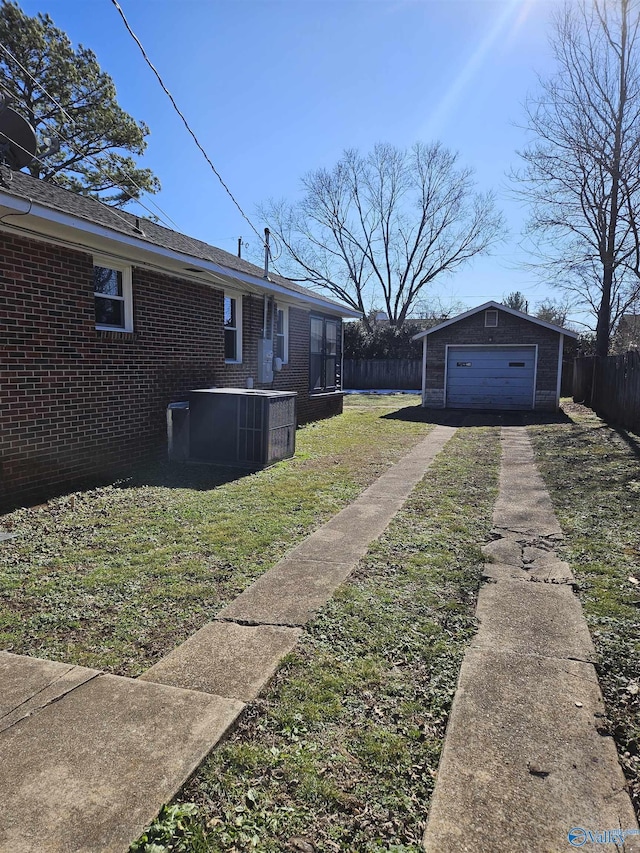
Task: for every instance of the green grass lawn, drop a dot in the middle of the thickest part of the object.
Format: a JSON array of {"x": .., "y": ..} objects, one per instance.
[
  {"x": 115, "y": 577},
  {"x": 375, "y": 400},
  {"x": 341, "y": 751},
  {"x": 593, "y": 474}
]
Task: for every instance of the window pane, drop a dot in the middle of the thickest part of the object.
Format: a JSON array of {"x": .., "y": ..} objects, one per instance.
[
  {"x": 109, "y": 312},
  {"x": 229, "y": 311},
  {"x": 280, "y": 322},
  {"x": 316, "y": 335},
  {"x": 279, "y": 353},
  {"x": 107, "y": 281},
  {"x": 332, "y": 337},
  {"x": 230, "y": 344},
  {"x": 316, "y": 380},
  {"x": 330, "y": 373}
]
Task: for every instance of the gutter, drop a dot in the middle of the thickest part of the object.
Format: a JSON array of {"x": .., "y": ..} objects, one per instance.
[{"x": 83, "y": 226}]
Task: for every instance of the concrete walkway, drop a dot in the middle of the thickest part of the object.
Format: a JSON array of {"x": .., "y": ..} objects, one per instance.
[
  {"x": 88, "y": 759},
  {"x": 525, "y": 761}
]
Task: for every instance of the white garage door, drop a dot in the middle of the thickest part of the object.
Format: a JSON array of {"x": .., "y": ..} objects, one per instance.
[{"x": 490, "y": 377}]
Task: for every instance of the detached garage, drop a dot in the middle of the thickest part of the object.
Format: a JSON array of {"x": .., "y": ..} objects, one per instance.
[{"x": 492, "y": 357}]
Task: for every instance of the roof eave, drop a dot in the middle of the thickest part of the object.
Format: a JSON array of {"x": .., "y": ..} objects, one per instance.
[
  {"x": 497, "y": 305},
  {"x": 92, "y": 231}
]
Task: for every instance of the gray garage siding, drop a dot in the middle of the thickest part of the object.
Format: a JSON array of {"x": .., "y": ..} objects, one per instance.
[{"x": 510, "y": 330}]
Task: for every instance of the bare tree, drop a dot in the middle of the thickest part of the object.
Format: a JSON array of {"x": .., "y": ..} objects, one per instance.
[
  {"x": 581, "y": 171},
  {"x": 553, "y": 311},
  {"x": 384, "y": 226}
]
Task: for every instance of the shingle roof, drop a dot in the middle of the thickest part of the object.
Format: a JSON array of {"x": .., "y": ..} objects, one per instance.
[
  {"x": 498, "y": 306},
  {"x": 49, "y": 195}
]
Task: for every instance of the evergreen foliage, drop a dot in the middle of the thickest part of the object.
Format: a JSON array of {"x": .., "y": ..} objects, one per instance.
[{"x": 69, "y": 100}]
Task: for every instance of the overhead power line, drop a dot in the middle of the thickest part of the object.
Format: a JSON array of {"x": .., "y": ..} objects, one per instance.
[
  {"x": 184, "y": 120},
  {"x": 89, "y": 157},
  {"x": 38, "y": 84},
  {"x": 40, "y": 160}
]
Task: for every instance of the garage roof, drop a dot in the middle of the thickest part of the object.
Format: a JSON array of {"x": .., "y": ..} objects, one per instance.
[{"x": 500, "y": 307}]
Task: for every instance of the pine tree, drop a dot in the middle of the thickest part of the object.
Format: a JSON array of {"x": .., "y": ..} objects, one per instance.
[{"x": 96, "y": 137}]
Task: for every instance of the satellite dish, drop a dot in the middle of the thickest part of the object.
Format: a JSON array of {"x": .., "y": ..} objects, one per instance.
[{"x": 18, "y": 141}]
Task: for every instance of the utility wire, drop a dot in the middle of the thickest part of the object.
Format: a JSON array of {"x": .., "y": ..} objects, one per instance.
[
  {"x": 40, "y": 160},
  {"x": 184, "y": 120},
  {"x": 89, "y": 157},
  {"x": 39, "y": 85},
  {"x": 111, "y": 209}
]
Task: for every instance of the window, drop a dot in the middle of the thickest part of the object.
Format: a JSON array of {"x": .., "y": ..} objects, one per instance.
[
  {"x": 232, "y": 329},
  {"x": 491, "y": 319},
  {"x": 323, "y": 361},
  {"x": 282, "y": 335},
  {"x": 112, "y": 296}
]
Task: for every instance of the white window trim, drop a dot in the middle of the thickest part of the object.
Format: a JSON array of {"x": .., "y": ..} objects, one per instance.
[
  {"x": 285, "y": 331},
  {"x": 127, "y": 292},
  {"x": 493, "y": 314},
  {"x": 238, "y": 327}
]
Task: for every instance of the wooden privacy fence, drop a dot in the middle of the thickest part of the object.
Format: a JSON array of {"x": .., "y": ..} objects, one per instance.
[
  {"x": 611, "y": 387},
  {"x": 401, "y": 374},
  {"x": 566, "y": 386}
]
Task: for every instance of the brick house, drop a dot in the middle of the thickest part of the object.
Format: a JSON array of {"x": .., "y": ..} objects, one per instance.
[
  {"x": 107, "y": 318},
  {"x": 492, "y": 357}
]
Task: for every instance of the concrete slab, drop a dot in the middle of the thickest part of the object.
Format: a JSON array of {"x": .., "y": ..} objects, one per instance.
[
  {"x": 364, "y": 520},
  {"x": 409, "y": 470},
  {"x": 87, "y": 773},
  {"x": 506, "y": 551},
  {"x": 394, "y": 485},
  {"x": 523, "y": 762},
  {"x": 226, "y": 659},
  {"x": 289, "y": 593},
  {"x": 546, "y": 566},
  {"x": 532, "y": 618},
  {"x": 523, "y": 503},
  {"x": 29, "y": 684},
  {"x": 330, "y": 545},
  {"x": 426, "y": 451},
  {"x": 494, "y": 572},
  {"x": 535, "y": 553}
]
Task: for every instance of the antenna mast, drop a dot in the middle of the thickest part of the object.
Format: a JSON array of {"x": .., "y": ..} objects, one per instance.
[{"x": 266, "y": 253}]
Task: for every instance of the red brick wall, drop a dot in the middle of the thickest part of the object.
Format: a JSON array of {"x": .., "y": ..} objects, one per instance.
[
  {"x": 295, "y": 374},
  {"x": 77, "y": 404}
]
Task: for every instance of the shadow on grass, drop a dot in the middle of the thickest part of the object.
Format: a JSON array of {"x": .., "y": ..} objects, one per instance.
[
  {"x": 198, "y": 477},
  {"x": 632, "y": 441},
  {"x": 169, "y": 475},
  {"x": 476, "y": 417}
]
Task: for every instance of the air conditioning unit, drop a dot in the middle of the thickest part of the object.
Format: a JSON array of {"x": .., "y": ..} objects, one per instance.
[{"x": 241, "y": 427}]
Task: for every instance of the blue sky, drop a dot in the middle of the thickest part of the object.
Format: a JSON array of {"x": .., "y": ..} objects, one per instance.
[{"x": 275, "y": 88}]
